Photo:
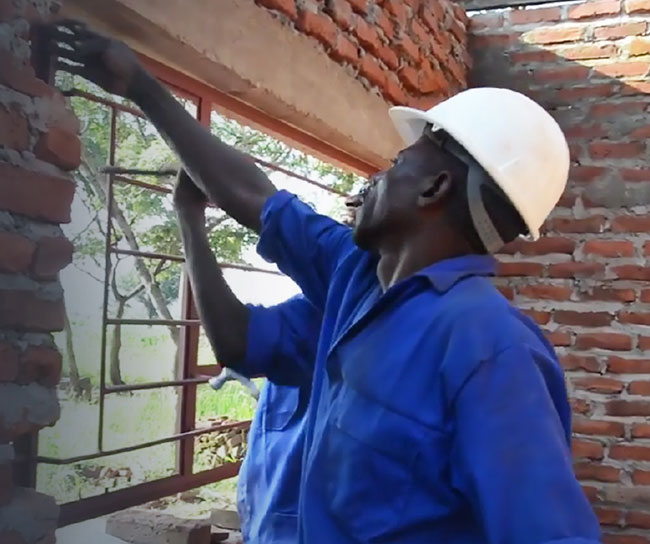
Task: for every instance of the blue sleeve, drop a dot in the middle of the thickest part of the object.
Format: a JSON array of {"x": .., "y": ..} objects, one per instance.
[
  {"x": 305, "y": 245},
  {"x": 282, "y": 341},
  {"x": 510, "y": 456}
]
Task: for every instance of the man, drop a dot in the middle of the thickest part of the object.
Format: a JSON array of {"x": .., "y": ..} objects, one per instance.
[
  {"x": 268, "y": 485},
  {"x": 438, "y": 412}
]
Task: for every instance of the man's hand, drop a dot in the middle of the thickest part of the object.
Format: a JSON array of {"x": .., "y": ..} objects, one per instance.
[
  {"x": 106, "y": 62},
  {"x": 188, "y": 198}
]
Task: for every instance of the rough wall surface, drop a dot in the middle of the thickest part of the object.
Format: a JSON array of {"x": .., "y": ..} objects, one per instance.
[
  {"x": 38, "y": 145},
  {"x": 413, "y": 52},
  {"x": 588, "y": 281}
]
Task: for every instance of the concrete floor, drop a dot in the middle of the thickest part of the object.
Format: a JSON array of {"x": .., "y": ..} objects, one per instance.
[{"x": 88, "y": 532}]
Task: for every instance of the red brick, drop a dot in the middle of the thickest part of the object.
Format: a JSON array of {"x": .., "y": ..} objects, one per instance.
[
  {"x": 16, "y": 252},
  {"x": 541, "y": 55},
  {"x": 341, "y": 12},
  {"x": 609, "y": 109},
  {"x": 638, "y": 519},
  {"x": 507, "y": 292},
  {"x": 42, "y": 365},
  {"x": 8, "y": 362},
  {"x": 397, "y": 9},
  {"x": 394, "y": 91},
  {"x": 345, "y": 51},
  {"x": 288, "y": 7},
  {"x": 645, "y": 295},
  {"x": 360, "y": 6},
  {"x": 575, "y": 270},
  {"x": 584, "y": 52},
  {"x": 640, "y": 132},
  {"x": 637, "y": 6},
  {"x": 631, "y": 223},
  {"x": 580, "y": 362},
  {"x": 599, "y": 384},
  {"x": 580, "y": 406},
  {"x": 636, "y": 87},
  {"x": 520, "y": 269},
  {"x": 574, "y": 93},
  {"x": 585, "y": 449},
  {"x": 318, "y": 25},
  {"x": 604, "y": 340},
  {"x": 595, "y": 8},
  {"x": 53, "y": 253},
  {"x": 639, "y": 388},
  {"x": 596, "y": 427},
  {"x": 14, "y": 130},
  {"x": 558, "y": 338},
  {"x": 493, "y": 40},
  {"x": 421, "y": 35},
  {"x": 551, "y": 35},
  {"x": 582, "y": 319},
  {"x": 457, "y": 69},
  {"x": 25, "y": 311},
  {"x": 35, "y": 195},
  {"x": 615, "y": 32},
  {"x": 619, "y": 365},
  {"x": 366, "y": 34},
  {"x": 623, "y": 69},
  {"x": 385, "y": 24},
  {"x": 544, "y": 246},
  {"x": 590, "y": 492},
  {"x": 592, "y": 224},
  {"x": 571, "y": 73},
  {"x": 408, "y": 48},
  {"x": 609, "y": 516},
  {"x": 20, "y": 77},
  {"x": 372, "y": 71},
  {"x": 633, "y": 453},
  {"x": 545, "y": 292},
  {"x": 410, "y": 77},
  {"x": 585, "y": 173},
  {"x": 641, "y": 430},
  {"x": 641, "y": 477},
  {"x": 609, "y": 248},
  {"x": 627, "y": 408},
  {"x": 430, "y": 79},
  {"x": 616, "y": 150},
  {"x": 635, "y": 174},
  {"x": 609, "y": 294},
  {"x": 635, "y": 318},
  {"x": 59, "y": 147},
  {"x": 624, "y": 539},
  {"x": 638, "y": 47},
  {"x": 632, "y": 272},
  {"x": 536, "y": 15},
  {"x": 600, "y": 473},
  {"x": 541, "y": 318},
  {"x": 389, "y": 57}
]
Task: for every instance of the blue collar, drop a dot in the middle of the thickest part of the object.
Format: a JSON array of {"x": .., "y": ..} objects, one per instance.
[{"x": 445, "y": 274}]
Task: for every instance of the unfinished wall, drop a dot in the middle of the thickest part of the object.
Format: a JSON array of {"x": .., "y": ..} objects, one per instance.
[
  {"x": 309, "y": 63},
  {"x": 588, "y": 282},
  {"x": 38, "y": 144}
]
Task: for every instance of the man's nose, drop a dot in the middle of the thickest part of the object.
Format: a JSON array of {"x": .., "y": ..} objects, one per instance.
[{"x": 354, "y": 201}]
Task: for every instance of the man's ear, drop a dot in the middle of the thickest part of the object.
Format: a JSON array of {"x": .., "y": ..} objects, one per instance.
[{"x": 434, "y": 189}]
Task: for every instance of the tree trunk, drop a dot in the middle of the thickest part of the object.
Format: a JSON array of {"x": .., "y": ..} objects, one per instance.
[
  {"x": 72, "y": 358},
  {"x": 115, "y": 372}
]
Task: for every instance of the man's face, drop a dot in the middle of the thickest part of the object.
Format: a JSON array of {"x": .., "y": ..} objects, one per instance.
[{"x": 389, "y": 204}]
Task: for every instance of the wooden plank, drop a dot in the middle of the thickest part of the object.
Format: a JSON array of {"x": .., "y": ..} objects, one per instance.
[{"x": 475, "y": 5}]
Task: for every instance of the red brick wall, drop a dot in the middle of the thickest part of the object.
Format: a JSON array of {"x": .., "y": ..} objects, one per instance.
[
  {"x": 588, "y": 281},
  {"x": 38, "y": 145},
  {"x": 410, "y": 51}
]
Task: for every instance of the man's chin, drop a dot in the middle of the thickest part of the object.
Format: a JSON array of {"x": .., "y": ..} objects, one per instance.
[{"x": 362, "y": 237}]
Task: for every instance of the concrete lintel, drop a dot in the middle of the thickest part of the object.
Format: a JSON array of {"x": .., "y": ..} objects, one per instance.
[{"x": 242, "y": 50}]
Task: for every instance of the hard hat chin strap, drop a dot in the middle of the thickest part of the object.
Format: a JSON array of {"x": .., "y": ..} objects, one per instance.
[{"x": 476, "y": 177}]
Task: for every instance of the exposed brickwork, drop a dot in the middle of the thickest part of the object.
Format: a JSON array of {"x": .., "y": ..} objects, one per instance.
[
  {"x": 38, "y": 146},
  {"x": 424, "y": 44},
  {"x": 588, "y": 281}
]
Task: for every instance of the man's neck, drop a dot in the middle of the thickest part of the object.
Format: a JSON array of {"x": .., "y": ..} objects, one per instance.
[{"x": 399, "y": 261}]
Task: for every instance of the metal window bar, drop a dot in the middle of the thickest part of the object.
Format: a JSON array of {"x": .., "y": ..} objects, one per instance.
[{"x": 206, "y": 99}]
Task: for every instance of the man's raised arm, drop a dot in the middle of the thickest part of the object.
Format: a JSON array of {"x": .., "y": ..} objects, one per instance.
[{"x": 227, "y": 176}]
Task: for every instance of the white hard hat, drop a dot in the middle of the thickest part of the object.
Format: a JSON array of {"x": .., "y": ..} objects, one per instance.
[{"x": 511, "y": 137}]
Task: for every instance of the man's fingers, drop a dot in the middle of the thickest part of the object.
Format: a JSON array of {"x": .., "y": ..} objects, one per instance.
[
  {"x": 74, "y": 69},
  {"x": 68, "y": 54}
]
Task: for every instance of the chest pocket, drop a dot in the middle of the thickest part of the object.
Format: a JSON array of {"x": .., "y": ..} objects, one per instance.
[
  {"x": 282, "y": 404},
  {"x": 371, "y": 452}
]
